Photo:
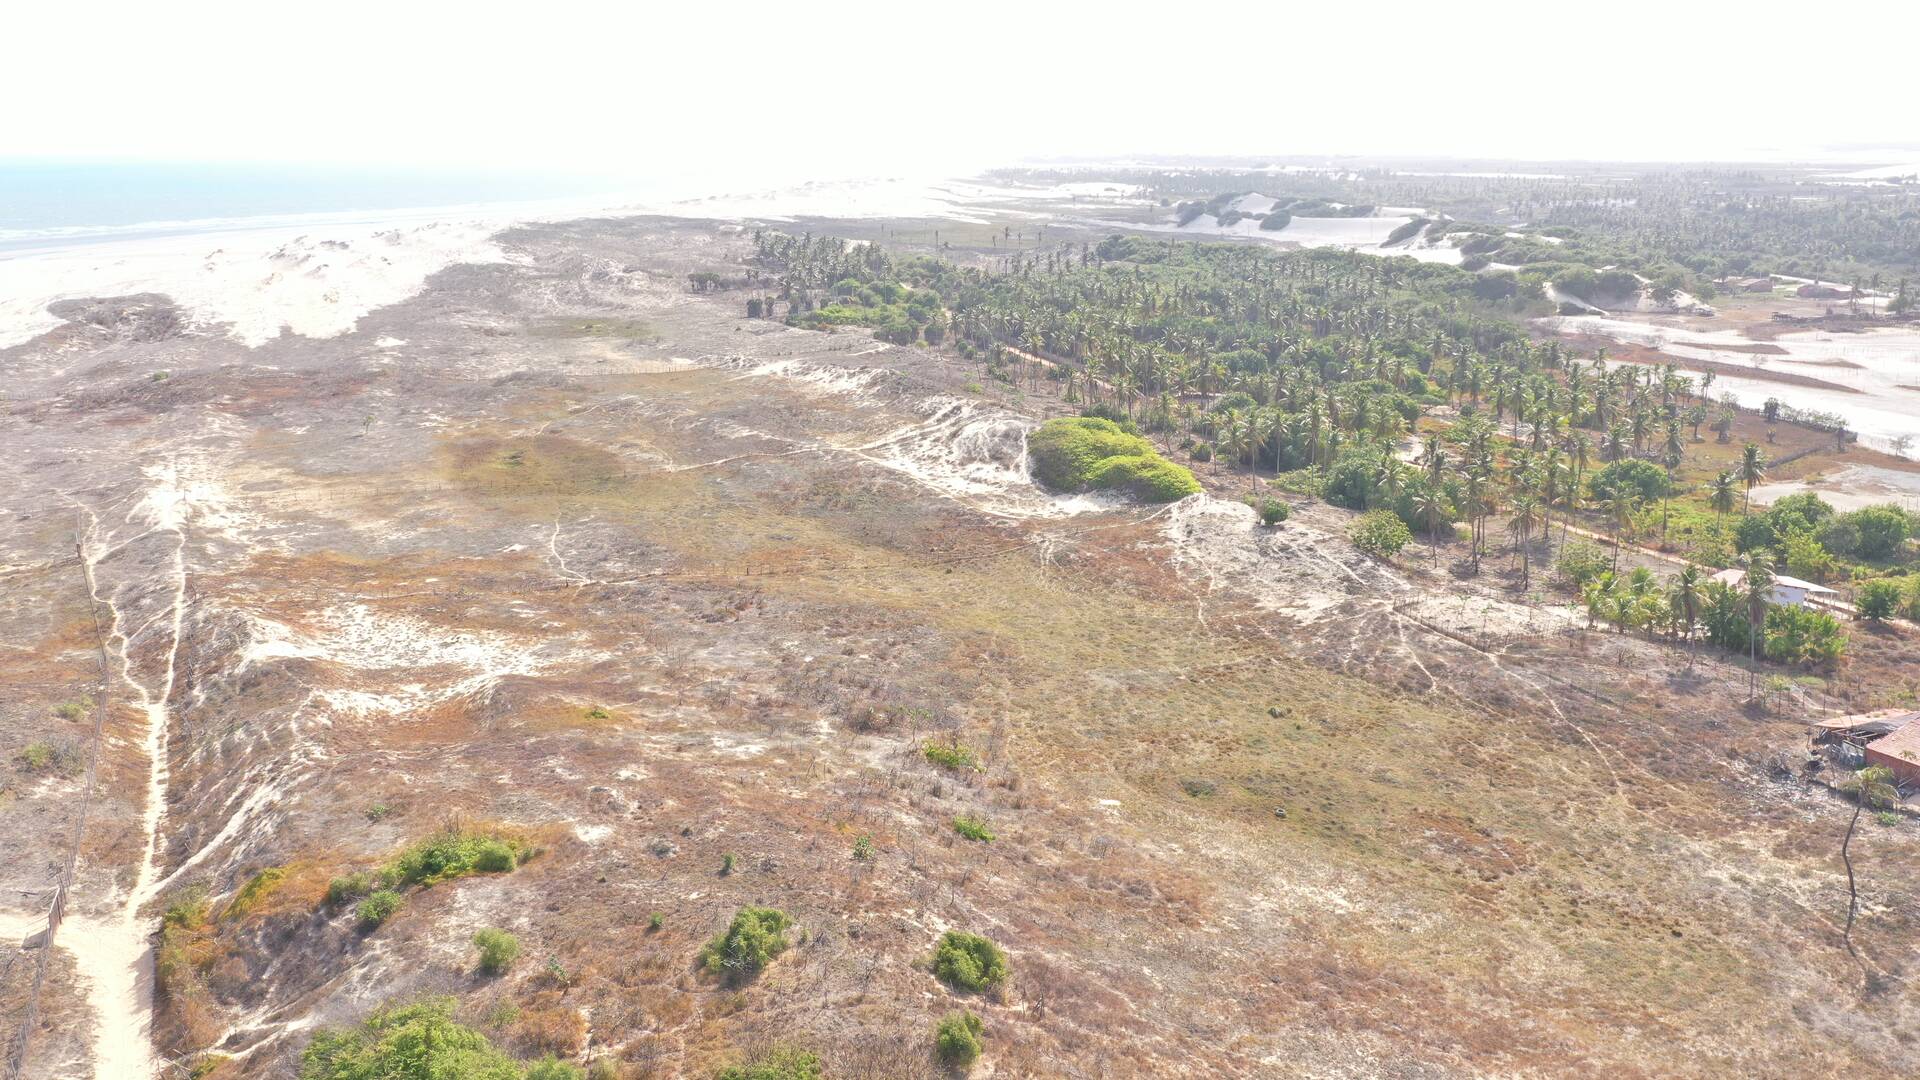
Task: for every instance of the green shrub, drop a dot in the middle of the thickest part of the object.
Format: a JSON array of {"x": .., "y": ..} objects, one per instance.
[
  {"x": 495, "y": 857},
  {"x": 1351, "y": 480},
  {"x": 726, "y": 864},
  {"x": 498, "y": 950},
  {"x": 750, "y": 942},
  {"x": 950, "y": 755},
  {"x": 1877, "y": 599},
  {"x": 1273, "y": 512},
  {"x": 44, "y": 756},
  {"x": 1796, "y": 635},
  {"x": 973, "y": 829},
  {"x": 73, "y": 710},
  {"x": 188, "y": 909},
  {"x": 347, "y": 888},
  {"x": 778, "y": 1064},
  {"x": 956, "y": 1041},
  {"x": 1084, "y": 453},
  {"x": 1839, "y": 536},
  {"x": 1881, "y": 530},
  {"x": 257, "y": 888},
  {"x": 968, "y": 961},
  {"x": 37, "y": 755},
  {"x": 453, "y": 852},
  {"x": 863, "y": 848},
  {"x": 1802, "y": 510},
  {"x": 377, "y": 908},
  {"x": 897, "y": 330},
  {"x": 1380, "y": 533},
  {"x": 1887, "y": 818},
  {"x": 421, "y": 1041},
  {"x": 1146, "y": 477},
  {"x": 656, "y": 920},
  {"x": 1804, "y": 556},
  {"x": 1755, "y": 532},
  {"x": 1630, "y": 476},
  {"x": 1311, "y": 483}
]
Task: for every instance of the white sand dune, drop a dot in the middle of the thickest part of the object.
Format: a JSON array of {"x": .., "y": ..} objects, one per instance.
[
  {"x": 316, "y": 281},
  {"x": 317, "y": 274},
  {"x": 1881, "y": 366}
]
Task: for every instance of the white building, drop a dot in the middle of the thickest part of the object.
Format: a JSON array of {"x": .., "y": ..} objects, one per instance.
[{"x": 1786, "y": 590}]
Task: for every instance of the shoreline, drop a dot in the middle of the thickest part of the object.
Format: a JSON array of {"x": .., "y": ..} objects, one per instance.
[
  {"x": 1860, "y": 374},
  {"x": 319, "y": 274},
  {"x": 1626, "y": 353}
]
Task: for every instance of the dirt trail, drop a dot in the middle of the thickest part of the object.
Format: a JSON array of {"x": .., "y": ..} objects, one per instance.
[{"x": 114, "y": 951}]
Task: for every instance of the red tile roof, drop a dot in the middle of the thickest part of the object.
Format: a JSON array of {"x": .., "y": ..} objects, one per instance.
[{"x": 1903, "y": 744}]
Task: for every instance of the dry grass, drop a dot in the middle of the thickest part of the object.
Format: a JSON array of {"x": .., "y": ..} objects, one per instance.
[{"x": 1531, "y": 854}]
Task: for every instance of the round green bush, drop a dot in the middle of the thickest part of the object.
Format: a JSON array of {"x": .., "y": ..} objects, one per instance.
[
  {"x": 1087, "y": 453},
  {"x": 494, "y": 857},
  {"x": 956, "y": 1041},
  {"x": 1882, "y": 529},
  {"x": 751, "y": 941},
  {"x": 378, "y": 908},
  {"x": 1380, "y": 533},
  {"x": 1147, "y": 477},
  {"x": 1064, "y": 451},
  {"x": 498, "y": 950},
  {"x": 968, "y": 961},
  {"x": 1877, "y": 599}
]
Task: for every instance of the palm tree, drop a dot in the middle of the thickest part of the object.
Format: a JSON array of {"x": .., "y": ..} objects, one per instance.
[
  {"x": 1433, "y": 455},
  {"x": 1391, "y": 477},
  {"x": 1620, "y": 507},
  {"x": 1670, "y": 456},
  {"x": 1477, "y": 508},
  {"x": 1614, "y": 445},
  {"x": 1581, "y": 451},
  {"x": 1752, "y": 470},
  {"x": 1430, "y": 506},
  {"x": 1236, "y": 435},
  {"x": 1526, "y": 514},
  {"x": 1687, "y": 591},
  {"x": 1720, "y": 495},
  {"x": 1554, "y": 477},
  {"x": 1597, "y": 594}
]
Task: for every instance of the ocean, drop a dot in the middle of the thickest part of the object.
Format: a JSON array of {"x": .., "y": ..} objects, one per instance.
[{"x": 68, "y": 202}]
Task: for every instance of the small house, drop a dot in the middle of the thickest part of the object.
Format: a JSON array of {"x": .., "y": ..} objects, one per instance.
[
  {"x": 1854, "y": 741},
  {"x": 1899, "y": 751},
  {"x": 1790, "y": 591}
]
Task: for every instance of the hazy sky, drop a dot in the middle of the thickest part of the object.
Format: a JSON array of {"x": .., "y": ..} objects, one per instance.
[{"x": 733, "y": 89}]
